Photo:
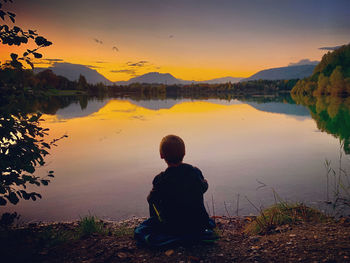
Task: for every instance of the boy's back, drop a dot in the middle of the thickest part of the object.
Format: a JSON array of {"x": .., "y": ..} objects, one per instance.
[{"x": 178, "y": 195}]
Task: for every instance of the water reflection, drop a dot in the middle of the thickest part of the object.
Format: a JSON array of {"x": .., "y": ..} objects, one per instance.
[
  {"x": 332, "y": 115},
  {"x": 107, "y": 163}
]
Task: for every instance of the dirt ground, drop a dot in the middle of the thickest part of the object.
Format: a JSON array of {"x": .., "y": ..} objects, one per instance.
[{"x": 304, "y": 242}]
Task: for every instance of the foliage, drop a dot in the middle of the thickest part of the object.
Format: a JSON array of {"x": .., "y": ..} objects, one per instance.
[
  {"x": 283, "y": 213},
  {"x": 89, "y": 225},
  {"x": 22, "y": 149},
  {"x": 22, "y": 145},
  {"x": 7, "y": 220},
  {"x": 330, "y": 77},
  {"x": 331, "y": 60},
  {"x": 16, "y": 36}
]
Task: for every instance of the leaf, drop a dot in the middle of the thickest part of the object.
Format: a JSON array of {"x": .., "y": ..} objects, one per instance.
[
  {"x": 45, "y": 182},
  {"x": 25, "y": 195},
  {"x": 46, "y": 145},
  {"x": 40, "y": 40},
  {"x": 11, "y": 14},
  {"x": 37, "y": 55},
  {"x": 12, "y": 197},
  {"x": 2, "y": 15},
  {"x": 16, "y": 29},
  {"x": 12, "y": 19},
  {"x": 30, "y": 63},
  {"x": 14, "y": 56},
  {"x": 29, "y": 169},
  {"x": 2, "y": 201}
]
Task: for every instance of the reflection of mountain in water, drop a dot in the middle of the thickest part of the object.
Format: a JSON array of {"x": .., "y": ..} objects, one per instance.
[
  {"x": 169, "y": 103},
  {"x": 85, "y": 107},
  {"x": 282, "y": 108},
  {"x": 76, "y": 110}
]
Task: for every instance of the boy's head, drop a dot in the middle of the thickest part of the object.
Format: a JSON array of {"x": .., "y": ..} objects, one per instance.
[{"x": 172, "y": 149}]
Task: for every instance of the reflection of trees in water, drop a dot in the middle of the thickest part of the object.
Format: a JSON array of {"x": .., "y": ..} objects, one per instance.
[
  {"x": 50, "y": 105},
  {"x": 332, "y": 115}
]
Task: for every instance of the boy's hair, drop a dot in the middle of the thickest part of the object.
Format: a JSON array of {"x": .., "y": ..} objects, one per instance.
[{"x": 172, "y": 148}]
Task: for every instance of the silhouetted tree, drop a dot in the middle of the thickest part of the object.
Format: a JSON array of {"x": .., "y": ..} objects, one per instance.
[
  {"x": 22, "y": 145},
  {"x": 14, "y": 35}
]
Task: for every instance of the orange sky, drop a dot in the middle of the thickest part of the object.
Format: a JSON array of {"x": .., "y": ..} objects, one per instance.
[{"x": 189, "y": 41}]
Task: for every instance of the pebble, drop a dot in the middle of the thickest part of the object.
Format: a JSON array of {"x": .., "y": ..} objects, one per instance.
[
  {"x": 169, "y": 252},
  {"x": 121, "y": 255}
]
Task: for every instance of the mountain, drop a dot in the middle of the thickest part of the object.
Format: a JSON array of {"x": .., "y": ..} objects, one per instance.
[
  {"x": 152, "y": 77},
  {"x": 166, "y": 78},
  {"x": 72, "y": 72},
  {"x": 290, "y": 72}
]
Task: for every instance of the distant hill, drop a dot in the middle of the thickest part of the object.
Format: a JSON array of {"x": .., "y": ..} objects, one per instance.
[
  {"x": 290, "y": 72},
  {"x": 72, "y": 72},
  {"x": 167, "y": 78},
  {"x": 152, "y": 77}
]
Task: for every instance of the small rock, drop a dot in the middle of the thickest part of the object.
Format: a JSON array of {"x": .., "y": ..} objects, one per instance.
[
  {"x": 169, "y": 252},
  {"x": 292, "y": 235},
  {"x": 121, "y": 255},
  {"x": 254, "y": 239}
]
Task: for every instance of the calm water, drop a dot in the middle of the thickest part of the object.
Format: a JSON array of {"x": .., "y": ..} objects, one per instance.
[{"x": 106, "y": 165}]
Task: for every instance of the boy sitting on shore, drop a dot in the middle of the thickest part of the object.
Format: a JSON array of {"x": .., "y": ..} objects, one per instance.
[{"x": 176, "y": 199}]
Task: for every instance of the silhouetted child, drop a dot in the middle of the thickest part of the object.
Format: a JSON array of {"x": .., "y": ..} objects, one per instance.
[
  {"x": 177, "y": 212},
  {"x": 176, "y": 198}
]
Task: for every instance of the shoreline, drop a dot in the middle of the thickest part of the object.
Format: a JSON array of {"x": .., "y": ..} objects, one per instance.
[{"x": 301, "y": 242}]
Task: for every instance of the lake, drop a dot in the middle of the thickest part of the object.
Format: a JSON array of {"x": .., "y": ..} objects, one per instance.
[{"x": 246, "y": 150}]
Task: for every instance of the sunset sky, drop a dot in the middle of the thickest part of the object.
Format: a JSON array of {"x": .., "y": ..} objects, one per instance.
[{"x": 192, "y": 40}]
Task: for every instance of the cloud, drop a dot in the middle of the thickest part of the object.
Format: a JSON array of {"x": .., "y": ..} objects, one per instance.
[
  {"x": 98, "y": 41},
  {"x": 125, "y": 71},
  {"x": 171, "y": 36},
  {"x": 92, "y": 67},
  {"x": 304, "y": 62},
  {"x": 134, "y": 68},
  {"x": 138, "y": 64},
  {"x": 330, "y": 48},
  {"x": 48, "y": 61},
  {"x": 52, "y": 60},
  {"x": 115, "y": 49},
  {"x": 100, "y": 62}
]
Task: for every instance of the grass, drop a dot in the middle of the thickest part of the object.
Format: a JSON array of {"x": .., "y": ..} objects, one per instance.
[
  {"x": 89, "y": 225},
  {"x": 50, "y": 237},
  {"x": 123, "y": 231},
  {"x": 281, "y": 214}
]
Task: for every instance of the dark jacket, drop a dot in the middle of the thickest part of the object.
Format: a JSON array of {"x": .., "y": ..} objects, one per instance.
[{"x": 178, "y": 196}]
